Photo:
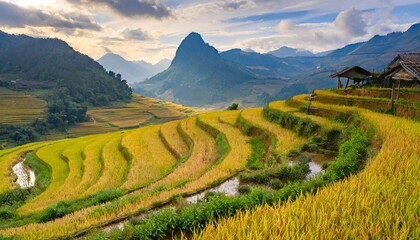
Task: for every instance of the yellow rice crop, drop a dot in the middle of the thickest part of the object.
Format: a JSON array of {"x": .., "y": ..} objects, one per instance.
[
  {"x": 202, "y": 157},
  {"x": 14, "y": 107},
  {"x": 381, "y": 202},
  {"x": 229, "y": 117},
  {"x": 51, "y": 155},
  {"x": 73, "y": 155},
  {"x": 336, "y": 95},
  {"x": 171, "y": 135},
  {"x": 286, "y": 139},
  {"x": 234, "y": 161},
  {"x": 92, "y": 163},
  {"x": 151, "y": 160},
  {"x": 114, "y": 169},
  {"x": 325, "y": 122}
]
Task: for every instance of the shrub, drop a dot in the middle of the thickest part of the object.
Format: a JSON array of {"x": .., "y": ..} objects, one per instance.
[
  {"x": 244, "y": 189},
  {"x": 276, "y": 184},
  {"x": 234, "y": 106},
  {"x": 7, "y": 213},
  {"x": 259, "y": 177},
  {"x": 57, "y": 211},
  {"x": 303, "y": 127}
]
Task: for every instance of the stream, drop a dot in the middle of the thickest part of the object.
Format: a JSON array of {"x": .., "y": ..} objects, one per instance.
[
  {"x": 25, "y": 176},
  {"x": 315, "y": 168},
  {"x": 228, "y": 188}
]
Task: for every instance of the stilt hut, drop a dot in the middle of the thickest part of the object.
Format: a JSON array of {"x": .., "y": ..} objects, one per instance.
[
  {"x": 404, "y": 69},
  {"x": 355, "y": 73}
]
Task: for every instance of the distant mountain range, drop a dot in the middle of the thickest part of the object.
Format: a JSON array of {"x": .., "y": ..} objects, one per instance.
[
  {"x": 291, "y": 52},
  {"x": 132, "y": 71},
  {"x": 200, "y": 75}
]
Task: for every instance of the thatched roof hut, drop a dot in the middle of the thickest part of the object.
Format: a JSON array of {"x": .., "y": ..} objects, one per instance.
[
  {"x": 404, "y": 67},
  {"x": 355, "y": 73}
]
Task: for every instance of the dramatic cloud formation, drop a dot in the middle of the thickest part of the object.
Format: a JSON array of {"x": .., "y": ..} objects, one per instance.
[
  {"x": 351, "y": 22},
  {"x": 153, "y": 29},
  {"x": 131, "y": 8},
  {"x": 14, "y": 16},
  {"x": 136, "y": 34}
]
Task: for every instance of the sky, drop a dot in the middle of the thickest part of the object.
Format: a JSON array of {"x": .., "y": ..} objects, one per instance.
[{"x": 151, "y": 30}]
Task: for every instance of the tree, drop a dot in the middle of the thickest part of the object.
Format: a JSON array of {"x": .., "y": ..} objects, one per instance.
[{"x": 234, "y": 106}]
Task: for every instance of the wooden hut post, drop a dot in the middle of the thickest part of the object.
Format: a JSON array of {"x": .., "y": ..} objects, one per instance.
[
  {"x": 399, "y": 87},
  {"x": 347, "y": 83},
  {"x": 339, "y": 83},
  {"x": 392, "y": 94}
]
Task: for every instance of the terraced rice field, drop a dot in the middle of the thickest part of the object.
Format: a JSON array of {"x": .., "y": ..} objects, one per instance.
[
  {"x": 141, "y": 111},
  {"x": 151, "y": 166},
  {"x": 14, "y": 107},
  {"x": 286, "y": 140},
  {"x": 378, "y": 203}
]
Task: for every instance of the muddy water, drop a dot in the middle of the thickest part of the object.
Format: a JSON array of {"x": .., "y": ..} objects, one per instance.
[
  {"x": 25, "y": 176},
  {"x": 228, "y": 188}
]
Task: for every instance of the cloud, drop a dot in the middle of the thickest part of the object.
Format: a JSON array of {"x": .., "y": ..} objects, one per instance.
[
  {"x": 285, "y": 26},
  {"x": 136, "y": 34},
  {"x": 233, "y": 5},
  {"x": 15, "y": 16},
  {"x": 131, "y": 8},
  {"x": 351, "y": 22}
]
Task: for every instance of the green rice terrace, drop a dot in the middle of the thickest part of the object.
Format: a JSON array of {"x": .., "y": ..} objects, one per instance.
[{"x": 343, "y": 167}]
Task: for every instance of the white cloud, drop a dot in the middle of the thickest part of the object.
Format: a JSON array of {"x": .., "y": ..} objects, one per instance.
[
  {"x": 160, "y": 35},
  {"x": 285, "y": 26},
  {"x": 351, "y": 22}
]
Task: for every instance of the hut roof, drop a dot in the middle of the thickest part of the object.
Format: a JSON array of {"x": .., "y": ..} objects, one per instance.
[
  {"x": 354, "y": 72},
  {"x": 405, "y": 67}
]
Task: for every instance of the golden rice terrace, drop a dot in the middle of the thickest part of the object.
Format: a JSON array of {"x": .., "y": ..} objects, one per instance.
[{"x": 361, "y": 178}]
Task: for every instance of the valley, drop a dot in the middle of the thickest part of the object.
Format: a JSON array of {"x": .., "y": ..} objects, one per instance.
[
  {"x": 272, "y": 120},
  {"x": 161, "y": 164}
]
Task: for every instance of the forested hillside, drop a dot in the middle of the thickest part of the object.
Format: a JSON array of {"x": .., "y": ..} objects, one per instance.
[{"x": 51, "y": 70}]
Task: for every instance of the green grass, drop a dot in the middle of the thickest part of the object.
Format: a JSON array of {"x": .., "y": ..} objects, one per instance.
[{"x": 255, "y": 160}]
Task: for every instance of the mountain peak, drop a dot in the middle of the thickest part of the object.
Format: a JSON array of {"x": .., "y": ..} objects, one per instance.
[
  {"x": 291, "y": 52},
  {"x": 193, "y": 36},
  {"x": 193, "y": 50},
  {"x": 414, "y": 28}
]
